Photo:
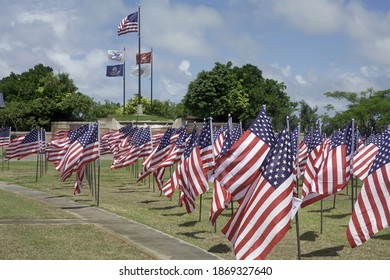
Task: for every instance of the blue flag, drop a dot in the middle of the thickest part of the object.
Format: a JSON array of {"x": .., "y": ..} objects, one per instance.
[{"x": 114, "y": 70}]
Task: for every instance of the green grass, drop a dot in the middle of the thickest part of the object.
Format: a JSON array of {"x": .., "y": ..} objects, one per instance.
[
  {"x": 63, "y": 242},
  {"x": 121, "y": 194}
]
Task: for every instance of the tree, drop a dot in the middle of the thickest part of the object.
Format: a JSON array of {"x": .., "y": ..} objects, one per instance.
[
  {"x": 41, "y": 97},
  {"x": 307, "y": 116},
  {"x": 239, "y": 91},
  {"x": 369, "y": 109}
]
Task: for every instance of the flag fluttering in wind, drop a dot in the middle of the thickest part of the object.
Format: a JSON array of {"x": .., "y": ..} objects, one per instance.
[
  {"x": 5, "y": 136},
  {"x": 264, "y": 216},
  {"x": 30, "y": 144},
  {"x": 116, "y": 55},
  {"x": 239, "y": 166},
  {"x": 372, "y": 208},
  {"x": 82, "y": 151},
  {"x": 146, "y": 71},
  {"x": 144, "y": 58},
  {"x": 128, "y": 24},
  {"x": 114, "y": 70}
]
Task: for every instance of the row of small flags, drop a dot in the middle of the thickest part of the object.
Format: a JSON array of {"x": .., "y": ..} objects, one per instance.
[{"x": 258, "y": 168}]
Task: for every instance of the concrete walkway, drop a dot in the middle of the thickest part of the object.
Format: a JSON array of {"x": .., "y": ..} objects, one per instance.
[{"x": 153, "y": 242}]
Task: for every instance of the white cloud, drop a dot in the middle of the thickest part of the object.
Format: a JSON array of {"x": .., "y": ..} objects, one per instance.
[
  {"x": 285, "y": 71},
  {"x": 300, "y": 80},
  {"x": 314, "y": 17},
  {"x": 184, "y": 67}
]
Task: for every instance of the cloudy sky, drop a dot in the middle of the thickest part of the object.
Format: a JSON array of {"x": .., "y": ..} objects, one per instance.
[{"x": 311, "y": 46}]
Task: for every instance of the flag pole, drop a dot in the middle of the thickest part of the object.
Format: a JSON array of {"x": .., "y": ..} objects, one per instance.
[
  {"x": 151, "y": 80},
  {"x": 297, "y": 183},
  {"x": 139, "y": 109},
  {"x": 351, "y": 169},
  {"x": 124, "y": 79},
  {"x": 322, "y": 202},
  {"x": 98, "y": 171}
]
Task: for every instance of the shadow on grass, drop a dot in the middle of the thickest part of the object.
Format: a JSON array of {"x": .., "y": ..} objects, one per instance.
[
  {"x": 382, "y": 237},
  {"x": 148, "y": 201},
  {"x": 174, "y": 215},
  {"x": 188, "y": 224},
  {"x": 327, "y": 252},
  {"x": 193, "y": 234},
  {"x": 323, "y": 210},
  {"x": 338, "y": 216},
  {"x": 309, "y": 236},
  {"x": 220, "y": 249},
  {"x": 163, "y": 208}
]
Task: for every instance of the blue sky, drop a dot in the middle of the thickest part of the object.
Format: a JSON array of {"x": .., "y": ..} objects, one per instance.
[{"x": 311, "y": 46}]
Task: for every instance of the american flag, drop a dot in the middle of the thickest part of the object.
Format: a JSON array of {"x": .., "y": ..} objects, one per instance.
[
  {"x": 172, "y": 157},
  {"x": 5, "y": 136},
  {"x": 78, "y": 185},
  {"x": 60, "y": 143},
  {"x": 218, "y": 136},
  {"x": 186, "y": 181},
  {"x": 335, "y": 170},
  {"x": 12, "y": 147},
  {"x": 239, "y": 166},
  {"x": 236, "y": 133},
  {"x": 82, "y": 151},
  {"x": 372, "y": 209},
  {"x": 303, "y": 153},
  {"x": 206, "y": 147},
  {"x": 365, "y": 156},
  {"x": 313, "y": 163},
  {"x": 140, "y": 146},
  {"x": 176, "y": 180},
  {"x": 150, "y": 164},
  {"x": 264, "y": 216},
  {"x": 128, "y": 24},
  {"x": 31, "y": 144},
  {"x": 114, "y": 138},
  {"x": 220, "y": 201},
  {"x": 200, "y": 161}
]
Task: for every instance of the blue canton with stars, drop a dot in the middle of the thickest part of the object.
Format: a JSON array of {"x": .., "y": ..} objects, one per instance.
[
  {"x": 383, "y": 156},
  {"x": 279, "y": 163},
  {"x": 90, "y": 136},
  {"x": 262, "y": 128},
  {"x": 205, "y": 135},
  {"x": 344, "y": 138}
]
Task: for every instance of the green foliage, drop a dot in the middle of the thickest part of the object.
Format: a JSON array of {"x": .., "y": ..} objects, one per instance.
[
  {"x": 307, "y": 116},
  {"x": 239, "y": 91},
  {"x": 104, "y": 110},
  {"x": 166, "y": 109},
  {"x": 37, "y": 97},
  {"x": 369, "y": 109}
]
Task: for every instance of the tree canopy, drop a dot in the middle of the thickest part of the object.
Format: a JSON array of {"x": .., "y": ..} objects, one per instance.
[
  {"x": 37, "y": 97},
  {"x": 238, "y": 91},
  {"x": 369, "y": 109}
]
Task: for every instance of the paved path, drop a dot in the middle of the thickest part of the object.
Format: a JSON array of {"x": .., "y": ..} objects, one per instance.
[{"x": 155, "y": 243}]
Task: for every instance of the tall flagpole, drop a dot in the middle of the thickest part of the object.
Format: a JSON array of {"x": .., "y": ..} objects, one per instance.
[
  {"x": 139, "y": 109},
  {"x": 151, "y": 80},
  {"x": 124, "y": 79}
]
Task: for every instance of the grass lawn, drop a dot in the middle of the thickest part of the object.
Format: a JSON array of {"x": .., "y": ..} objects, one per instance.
[{"x": 142, "y": 202}]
